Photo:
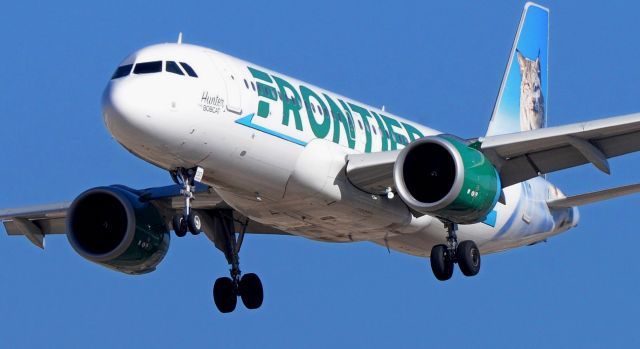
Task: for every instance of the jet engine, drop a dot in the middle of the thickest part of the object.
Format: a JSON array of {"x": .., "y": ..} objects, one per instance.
[
  {"x": 114, "y": 228},
  {"x": 446, "y": 177}
]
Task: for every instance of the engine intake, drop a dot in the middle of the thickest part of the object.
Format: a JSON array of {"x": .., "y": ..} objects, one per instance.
[
  {"x": 446, "y": 177},
  {"x": 114, "y": 228}
]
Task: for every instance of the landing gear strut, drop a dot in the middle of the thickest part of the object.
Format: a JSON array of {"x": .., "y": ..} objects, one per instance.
[
  {"x": 466, "y": 254},
  {"x": 189, "y": 219},
  {"x": 226, "y": 290}
]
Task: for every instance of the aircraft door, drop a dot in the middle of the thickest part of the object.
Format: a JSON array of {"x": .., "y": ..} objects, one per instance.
[{"x": 231, "y": 81}]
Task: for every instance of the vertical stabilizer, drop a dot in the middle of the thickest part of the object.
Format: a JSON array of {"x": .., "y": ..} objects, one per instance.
[{"x": 522, "y": 100}]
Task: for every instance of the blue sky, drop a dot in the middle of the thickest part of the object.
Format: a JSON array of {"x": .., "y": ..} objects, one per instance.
[{"x": 437, "y": 63}]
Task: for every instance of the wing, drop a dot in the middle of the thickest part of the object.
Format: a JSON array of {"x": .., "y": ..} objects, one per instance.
[
  {"x": 524, "y": 155},
  {"x": 372, "y": 172},
  {"x": 35, "y": 222}
]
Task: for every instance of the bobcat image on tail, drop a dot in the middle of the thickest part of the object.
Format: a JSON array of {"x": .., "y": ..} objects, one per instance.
[{"x": 531, "y": 99}]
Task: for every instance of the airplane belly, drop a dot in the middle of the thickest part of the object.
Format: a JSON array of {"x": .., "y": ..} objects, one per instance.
[{"x": 318, "y": 202}]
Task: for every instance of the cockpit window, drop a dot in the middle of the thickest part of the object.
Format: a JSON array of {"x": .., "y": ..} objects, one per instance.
[
  {"x": 172, "y": 67},
  {"x": 148, "y": 67},
  {"x": 122, "y": 71},
  {"x": 188, "y": 69}
]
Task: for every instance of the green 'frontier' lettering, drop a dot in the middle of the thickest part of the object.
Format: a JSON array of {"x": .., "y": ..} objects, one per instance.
[
  {"x": 289, "y": 105},
  {"x": 340, "y": 118},
  {"x": 263, "y": 106},
  {"x": 393, "y": 136},
  {"x": 392, "y": 132},
  {"x": 383, "y": 131},
  {"x": 413, "y": 132},
  {"x": 320, "y": 130},
  {"x": 364, "y": 115}
]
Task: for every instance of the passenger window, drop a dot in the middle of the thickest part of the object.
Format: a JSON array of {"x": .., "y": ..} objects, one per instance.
[
  {"x": 349, "y": 119},
  {"x": 122, "y": 71},
  {"x": 360, "y": 124},
  {"x": 374, "y": 130},
  {"x": 253, "y": 86},
  {"x": 246, "y": 84},
  {"x": 172, "y": 67},
  {"x": 148, "y": 67},
  {"x": 189, "y": 70}
]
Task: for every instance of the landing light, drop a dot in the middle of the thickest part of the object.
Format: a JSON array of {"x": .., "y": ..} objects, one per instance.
[{"x": 390, "y": 194}]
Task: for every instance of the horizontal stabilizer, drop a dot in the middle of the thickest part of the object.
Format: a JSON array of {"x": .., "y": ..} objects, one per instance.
[{"x": 584, "y": 199}]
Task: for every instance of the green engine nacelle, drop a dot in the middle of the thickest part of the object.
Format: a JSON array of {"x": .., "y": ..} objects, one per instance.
[
  {"x": 114, "y": 228},
  {"x": 446, "y": 177}
]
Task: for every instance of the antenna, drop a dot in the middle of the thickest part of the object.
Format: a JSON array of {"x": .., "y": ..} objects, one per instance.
[{"x": 180, "y": 38}]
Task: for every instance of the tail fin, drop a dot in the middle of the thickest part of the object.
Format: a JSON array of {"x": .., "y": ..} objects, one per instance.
[{"x": 522, "y": 100}]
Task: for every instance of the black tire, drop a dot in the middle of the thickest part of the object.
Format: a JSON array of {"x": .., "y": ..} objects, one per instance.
[
  {"x": 468, "y": 256},
  {"x": 194, "y": 223},
  {"x": 179, "y": 226},
  {"x": 224, "y": 295},
  {"x": 251, "y": 291},
  {"x": 441, "y": 263}
]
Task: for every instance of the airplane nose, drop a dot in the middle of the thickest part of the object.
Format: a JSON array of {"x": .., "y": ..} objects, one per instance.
[
  {"x": 122, "y": 107},
  {"x": 132, "y": 111}
]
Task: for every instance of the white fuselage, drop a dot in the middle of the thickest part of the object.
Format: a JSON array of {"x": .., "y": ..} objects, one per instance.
[{"x": 275, "y": 148}]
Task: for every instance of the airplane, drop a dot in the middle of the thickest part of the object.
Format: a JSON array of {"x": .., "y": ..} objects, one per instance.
[{"x": 253, "y": 151}]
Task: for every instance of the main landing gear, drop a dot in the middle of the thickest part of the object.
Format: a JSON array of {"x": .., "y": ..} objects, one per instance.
[
  {"x": 189, "y": 219},
  {"x": 226, "y": 290},
  {"x": 466, "y": 254}
]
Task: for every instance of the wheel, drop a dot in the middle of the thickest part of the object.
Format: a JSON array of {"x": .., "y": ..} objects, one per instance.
[
  {"x": 194, "y": 223},
  {"x": 179, "y": 226},
  {"x": 468, "y": 256},
  {"x": 441, "y": 263},
  {"x": 251, "y": 291},
  {"x": 224, "y": 295}
]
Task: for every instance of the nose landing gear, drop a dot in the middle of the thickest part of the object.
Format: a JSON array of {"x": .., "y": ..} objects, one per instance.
[
  {"x": 189, "y": 219},
  {"x": 466, "y": 254}
]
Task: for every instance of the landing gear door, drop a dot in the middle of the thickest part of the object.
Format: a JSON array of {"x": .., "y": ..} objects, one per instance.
[{"x": 231, "y": 81}]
